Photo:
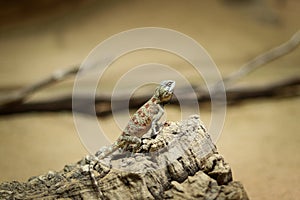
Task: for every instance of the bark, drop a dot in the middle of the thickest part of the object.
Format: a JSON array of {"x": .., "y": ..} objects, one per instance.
[{"x": 180, "y": 163}]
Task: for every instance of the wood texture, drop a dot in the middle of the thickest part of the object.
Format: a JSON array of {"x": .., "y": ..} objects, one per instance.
[{"x": 180, "y": 163}]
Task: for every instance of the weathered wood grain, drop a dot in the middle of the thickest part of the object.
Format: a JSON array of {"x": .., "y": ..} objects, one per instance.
[{"x": 180, "y": 163}]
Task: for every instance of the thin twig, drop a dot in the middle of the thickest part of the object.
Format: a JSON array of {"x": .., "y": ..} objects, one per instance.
[
  {"x": 19, "y": 96},
  {"x": 264, "y": 58}
]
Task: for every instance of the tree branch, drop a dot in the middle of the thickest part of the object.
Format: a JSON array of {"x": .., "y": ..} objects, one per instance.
[
  {"x": 285, "y": 88},
  {"x": 263, "y": 59},
  {"x": 14, "y": 102},
  {"x": 18, "y": 97}
]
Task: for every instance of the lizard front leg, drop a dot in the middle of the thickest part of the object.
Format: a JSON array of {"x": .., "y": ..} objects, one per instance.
[{"x": 155, "y": 125}]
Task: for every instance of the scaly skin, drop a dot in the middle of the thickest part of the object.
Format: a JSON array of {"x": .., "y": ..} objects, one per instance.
[{"x": 144, "y": 119}]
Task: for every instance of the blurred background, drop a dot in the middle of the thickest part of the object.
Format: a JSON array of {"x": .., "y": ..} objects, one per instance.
[{"x": 260, "y": 138}]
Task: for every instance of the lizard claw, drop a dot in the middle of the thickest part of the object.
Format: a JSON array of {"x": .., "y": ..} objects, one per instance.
[{"x": 156, "y": 129}]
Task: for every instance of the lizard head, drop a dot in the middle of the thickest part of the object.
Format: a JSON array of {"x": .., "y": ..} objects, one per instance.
[{"x": 164, "y": 91}]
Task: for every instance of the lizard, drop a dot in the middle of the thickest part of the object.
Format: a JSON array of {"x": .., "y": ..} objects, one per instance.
[{"x": 144, "y": 119}]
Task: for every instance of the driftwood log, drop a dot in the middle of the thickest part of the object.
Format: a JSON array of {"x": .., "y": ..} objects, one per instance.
[{"x": 180, "y": 163}]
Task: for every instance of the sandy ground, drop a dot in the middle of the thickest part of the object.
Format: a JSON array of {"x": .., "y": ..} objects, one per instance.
[{"x": 260, "y": 139}]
